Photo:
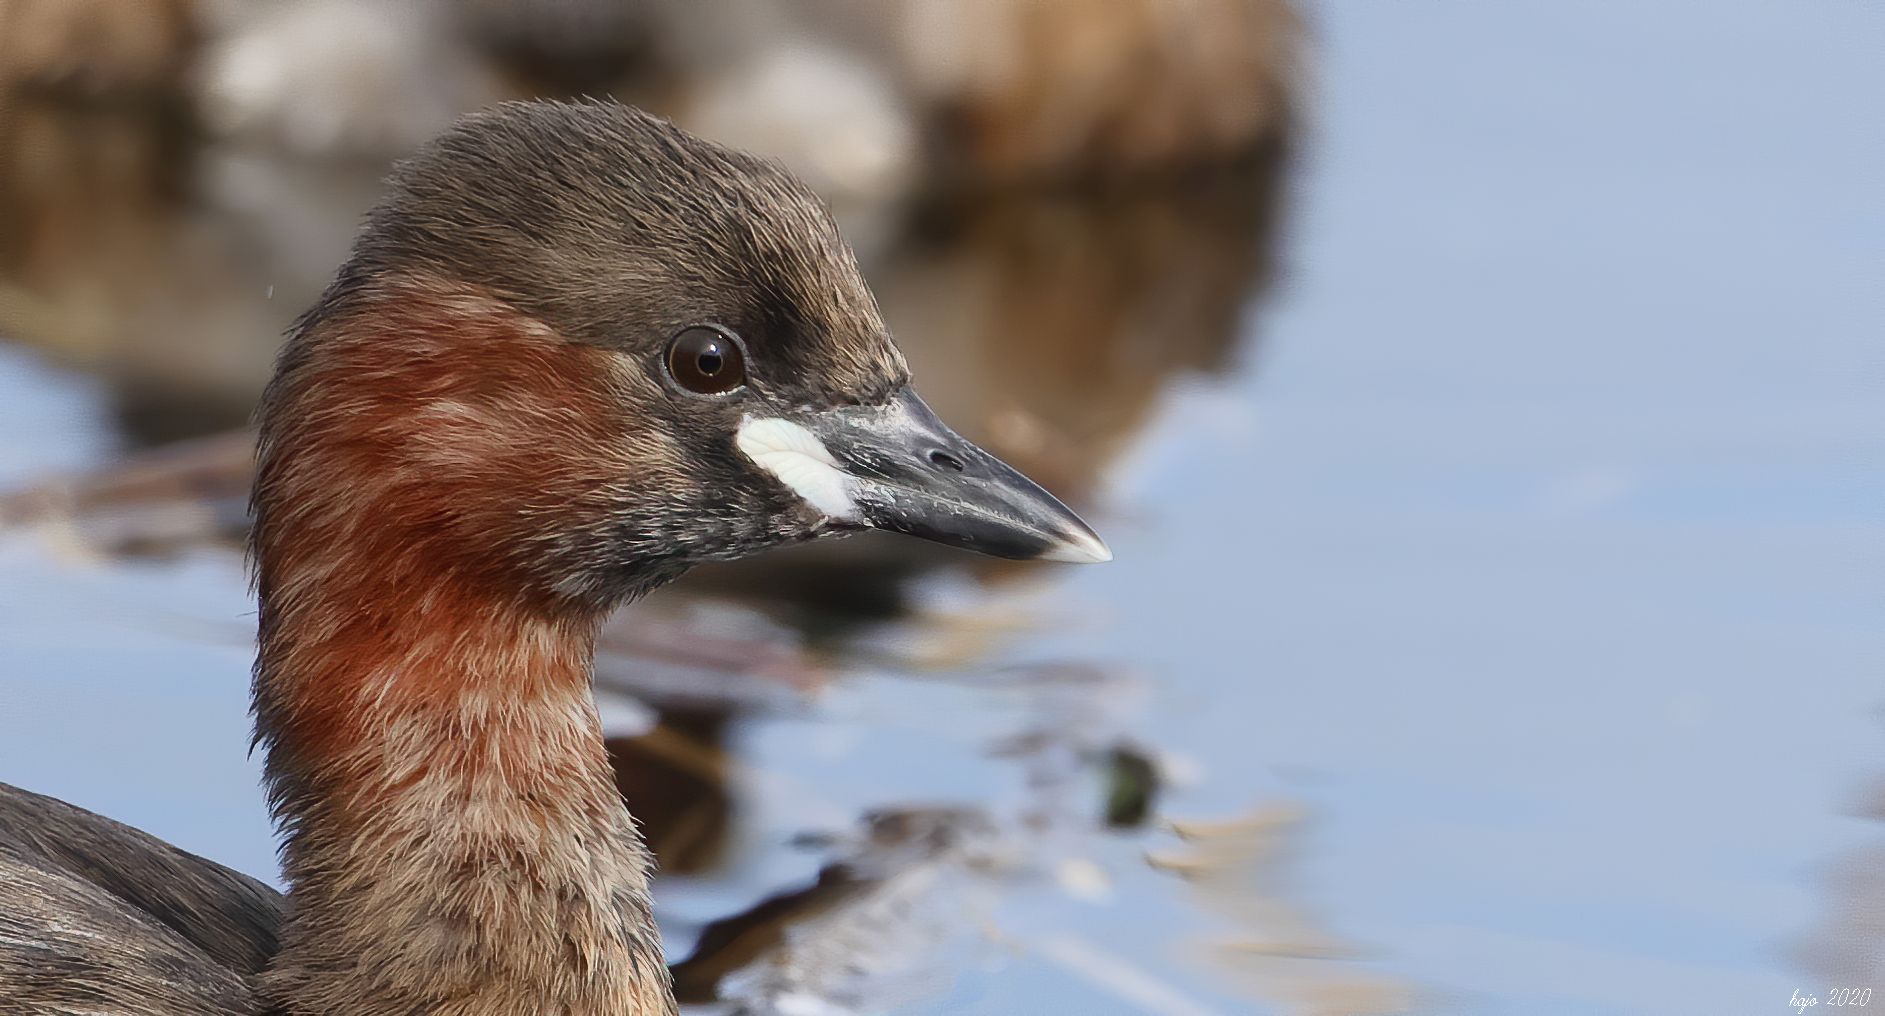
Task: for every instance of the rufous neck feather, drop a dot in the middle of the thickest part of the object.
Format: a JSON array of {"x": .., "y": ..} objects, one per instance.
[{"x": 454, "y": 839}]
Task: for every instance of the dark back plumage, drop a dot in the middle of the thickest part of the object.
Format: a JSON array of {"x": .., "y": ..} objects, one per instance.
[{"x": 95, "y": 916}]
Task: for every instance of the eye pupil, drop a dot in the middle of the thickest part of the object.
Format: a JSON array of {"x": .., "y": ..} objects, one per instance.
[{"x": 706, "y": 360}]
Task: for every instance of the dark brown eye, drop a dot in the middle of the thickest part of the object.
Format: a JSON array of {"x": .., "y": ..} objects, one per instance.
[{"x": 706, "y": 361}]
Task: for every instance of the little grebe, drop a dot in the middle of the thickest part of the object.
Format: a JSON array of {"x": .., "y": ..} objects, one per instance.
[{"x": 574, "y": 352}]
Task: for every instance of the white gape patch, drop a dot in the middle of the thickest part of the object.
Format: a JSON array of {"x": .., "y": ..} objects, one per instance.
[{"x": 800, "y": 461}]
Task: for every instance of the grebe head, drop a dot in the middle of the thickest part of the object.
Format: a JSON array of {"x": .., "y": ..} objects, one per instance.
[{"x": 578, "y": 350}]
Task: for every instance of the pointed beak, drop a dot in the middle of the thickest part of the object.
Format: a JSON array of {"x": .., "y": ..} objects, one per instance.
[{"x": 897, "y": 467}]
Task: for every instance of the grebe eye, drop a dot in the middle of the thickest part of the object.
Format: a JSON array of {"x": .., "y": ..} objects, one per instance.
[{"x": 706, "y": 361}]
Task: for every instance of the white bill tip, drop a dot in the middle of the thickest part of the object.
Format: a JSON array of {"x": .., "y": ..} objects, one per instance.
[{"x": 1079, "y": 548}]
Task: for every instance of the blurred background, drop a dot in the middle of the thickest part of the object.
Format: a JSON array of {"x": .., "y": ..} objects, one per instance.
[{"x": 1482, "y": 399}]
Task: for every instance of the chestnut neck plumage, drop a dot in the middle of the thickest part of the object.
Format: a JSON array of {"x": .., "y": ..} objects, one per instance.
[{"x": 454, "y": 842}]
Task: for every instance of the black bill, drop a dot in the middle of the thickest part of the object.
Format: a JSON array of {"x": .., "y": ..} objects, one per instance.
[{"x": 909, "y": 473}]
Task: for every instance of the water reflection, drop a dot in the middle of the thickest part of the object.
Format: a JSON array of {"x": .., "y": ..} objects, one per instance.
[
  {"x": 906, "y": 898},
  {"x": 1845, "y": 948},
  {"x": 880, "y": 923},
  {"x": 674, "y": 778},
  {"x": 1051, "y": 324},
  {"x": 124, "y": 254},
  {"x": 1239, "y": 870}
]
